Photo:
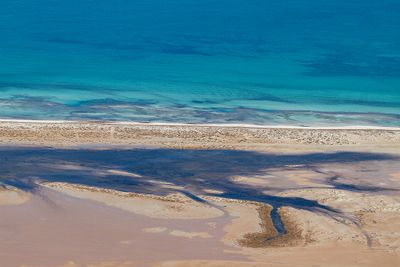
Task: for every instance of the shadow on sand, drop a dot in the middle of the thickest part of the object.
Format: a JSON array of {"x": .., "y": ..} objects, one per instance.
[{"x": 139, "y": 170}]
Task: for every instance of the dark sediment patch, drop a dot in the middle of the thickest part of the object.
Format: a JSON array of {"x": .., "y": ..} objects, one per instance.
[
  {"x": 269, "y": 236},
  {"x": 256, "y": 240}
]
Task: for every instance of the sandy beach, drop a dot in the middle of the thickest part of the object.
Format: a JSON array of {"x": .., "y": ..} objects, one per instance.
[
  {"x": 224, "y": 136},
  {"x": 128, "y": 194}
]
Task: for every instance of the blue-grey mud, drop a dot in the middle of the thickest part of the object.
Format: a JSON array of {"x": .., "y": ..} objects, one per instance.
[{"x": 292, "y": 62}]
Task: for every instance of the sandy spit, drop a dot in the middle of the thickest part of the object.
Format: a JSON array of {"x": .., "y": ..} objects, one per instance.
[{"x": 74, "y": 133}]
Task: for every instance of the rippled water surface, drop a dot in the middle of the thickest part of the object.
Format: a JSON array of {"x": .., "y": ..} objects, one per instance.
[{"x": 298, "y": 62}]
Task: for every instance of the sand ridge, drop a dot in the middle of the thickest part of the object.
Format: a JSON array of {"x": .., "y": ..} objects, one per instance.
[
  {"x": 12, "y": 196},
  {"x": 173, "y": 206},
  {"x": 59, "y": 133}
]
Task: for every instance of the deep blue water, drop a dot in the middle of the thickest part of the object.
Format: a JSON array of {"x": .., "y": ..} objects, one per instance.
[{"x": 297, "y": 62}]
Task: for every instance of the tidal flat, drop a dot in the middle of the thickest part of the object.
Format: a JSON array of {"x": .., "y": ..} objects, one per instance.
[{"x": 114, "y": 194}]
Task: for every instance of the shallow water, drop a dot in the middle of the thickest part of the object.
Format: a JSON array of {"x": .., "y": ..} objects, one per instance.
[{"x": 303, "y": 62}]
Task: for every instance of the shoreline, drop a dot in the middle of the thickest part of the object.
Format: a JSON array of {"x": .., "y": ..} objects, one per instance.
[
  {"x": 222, "y": 125},
  {"x": 192, "y": 136}
]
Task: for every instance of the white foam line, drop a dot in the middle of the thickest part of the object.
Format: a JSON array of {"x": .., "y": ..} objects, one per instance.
[{"x": 225, "y": 125}]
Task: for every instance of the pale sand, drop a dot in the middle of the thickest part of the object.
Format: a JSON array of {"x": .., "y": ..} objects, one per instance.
[
  {"x": 155, "y": 230},
  {"x": 174, "y": 206},
  {"x": 379, "y": 215},
  {"x": 332, "y": 256},
  {"x": 12, "y": 196},
  {"x": 396, "y": 176},
  {"x": 190, "y": 235},
  {"x": 366, "y": 234},
  {"x": 220, "y": 125},
  {"x": 53, "y": 229},
  {"x": 59, "y": 133},
  {"x": 244, "y": 214},
  {"x": 328, "y": 237}
]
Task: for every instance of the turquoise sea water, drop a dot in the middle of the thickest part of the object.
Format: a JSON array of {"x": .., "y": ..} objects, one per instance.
[{"x": 296, "y": 62}]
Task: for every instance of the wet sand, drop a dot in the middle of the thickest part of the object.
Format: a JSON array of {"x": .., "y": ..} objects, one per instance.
[
  {"x": 52, "y": 229},
  {"x": 108, "y": 195}
]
